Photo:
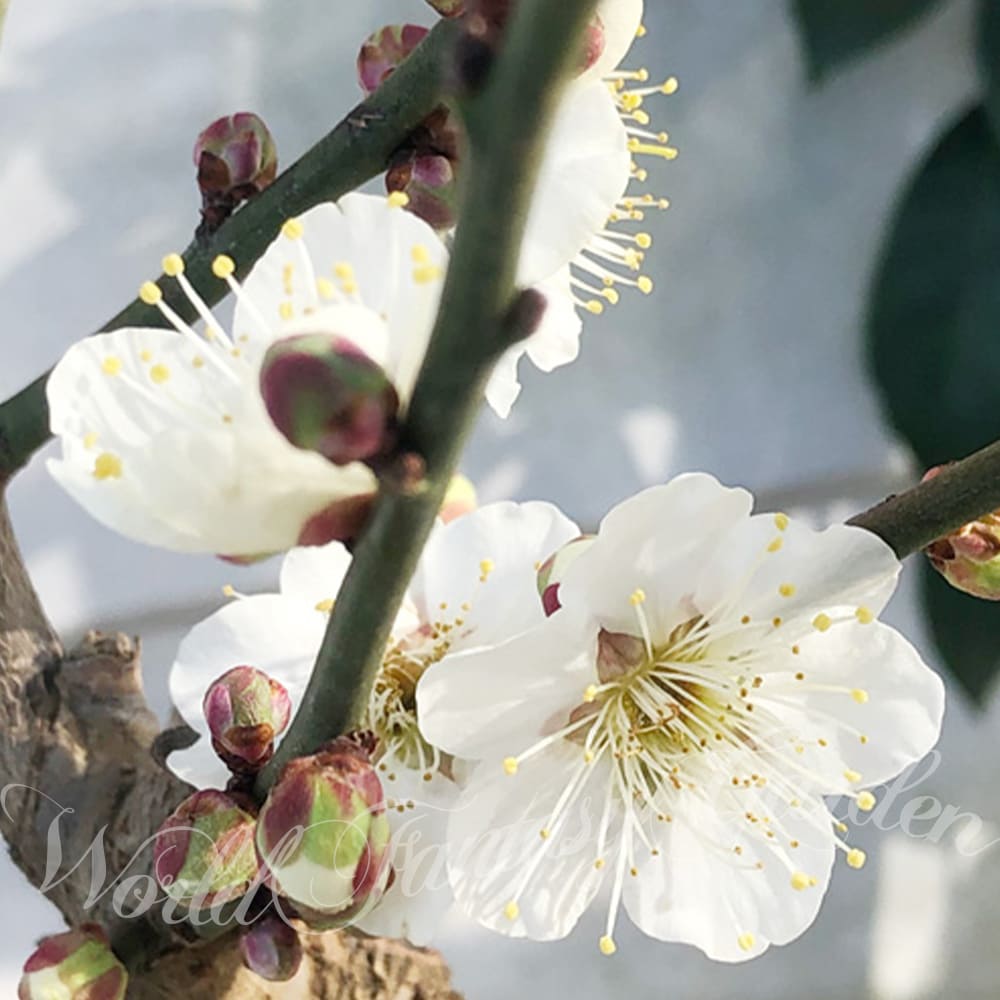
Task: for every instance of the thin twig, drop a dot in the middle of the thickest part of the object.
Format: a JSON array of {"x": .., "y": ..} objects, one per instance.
[
  {"x": 354, "y": 152},
  {"x": 959, "y": 494},
  {"x": 478, "y": 320}
]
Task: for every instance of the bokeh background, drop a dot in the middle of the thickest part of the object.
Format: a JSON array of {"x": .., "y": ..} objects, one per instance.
[{"x": 749, "y": 362}]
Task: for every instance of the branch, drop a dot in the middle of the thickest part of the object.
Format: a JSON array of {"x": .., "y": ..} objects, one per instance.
[
  {"x": 354, "y": 152},
  {"x": 75, "y": 733},
  {"x": 480, "y": 317},
  {"x": 960, "y": 493}
]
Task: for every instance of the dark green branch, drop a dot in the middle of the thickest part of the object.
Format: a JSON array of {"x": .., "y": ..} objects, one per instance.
[
  {"x": 354, "y": 152},
  {"x": 477, "y": 322},
  {"x": 961, "y": 493}
]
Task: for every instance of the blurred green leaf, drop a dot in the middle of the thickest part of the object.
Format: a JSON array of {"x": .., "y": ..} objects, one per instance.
[
  {"x": 988, "y": 52},
  {"x": 836, "y": 31},
  {"x": 934, "y": 316},
  {"x": 966, "y": 631}
]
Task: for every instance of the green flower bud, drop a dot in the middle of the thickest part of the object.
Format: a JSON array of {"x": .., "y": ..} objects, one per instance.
[
  {"x": 326, "y": 395},
  {"x": 430, "y": 183},
  {"x": 204, "y": 853},
  {"x": 323, "y": 833},
  {"x": 77, "y": 965},
  {"x": 245, "y": 710},
  {"x": 448, "y": 8}
]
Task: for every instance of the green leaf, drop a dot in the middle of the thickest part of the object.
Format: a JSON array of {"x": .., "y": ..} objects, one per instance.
[
  {"x": 835, "y": 31},
  {"x": 966, "y": 632},
  {"x": 934, "y": 316},
  {"x": 988, "y": 53}
]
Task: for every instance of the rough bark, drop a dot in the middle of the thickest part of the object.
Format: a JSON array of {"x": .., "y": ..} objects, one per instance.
[{"x": 76, "y": 733}]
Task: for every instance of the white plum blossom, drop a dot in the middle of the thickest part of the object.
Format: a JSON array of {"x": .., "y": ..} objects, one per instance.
[
  {"x": 474, "y": 587},
  {"x": 671, "y": 733},
  {"x": 164, "y": 434},
  {"x": 582, "y": 245}
]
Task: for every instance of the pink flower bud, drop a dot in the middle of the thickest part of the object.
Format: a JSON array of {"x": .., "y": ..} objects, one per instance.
[
  {"x": 77, "y": 965},
  {"x": 552, "y": 571},
  {"x": 204, "y": 852},
  {"x": 326, "y": 395},
  {"x": 245, "y": 710},
  {"x": 236, "y": 157},
  {"x": 383, "y": 51},
  {"x": 271, "y": 949},
  {"x": 430, "y": 183},
  {"x": 323, "y": 833},
  {"x": 594, "y": 43}
]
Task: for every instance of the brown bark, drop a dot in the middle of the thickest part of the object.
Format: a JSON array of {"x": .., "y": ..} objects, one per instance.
[{"x": 76, "y": 733}]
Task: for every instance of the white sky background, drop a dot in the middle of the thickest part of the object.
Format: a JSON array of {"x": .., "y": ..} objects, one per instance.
[{"x": 747, "y": 362}]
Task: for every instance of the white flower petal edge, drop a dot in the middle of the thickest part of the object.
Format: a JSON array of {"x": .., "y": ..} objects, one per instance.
[
  {"x": 621, "y": 20},
  {"x": 709, "y": 735},
  {"x": 583, "y": 213},
  {"x": 475, "y": 586},
  {"x": 164, "y": 436}
]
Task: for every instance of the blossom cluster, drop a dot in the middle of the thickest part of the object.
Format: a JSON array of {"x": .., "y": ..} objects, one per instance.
[{"x": 656, "y": 718}]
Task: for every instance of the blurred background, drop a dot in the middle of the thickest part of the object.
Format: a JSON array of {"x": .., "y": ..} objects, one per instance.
[{"x": 800, "y": 260}]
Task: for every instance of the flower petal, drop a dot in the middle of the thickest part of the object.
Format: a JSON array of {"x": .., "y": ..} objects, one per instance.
[
  {"x": 420, "y": 895},
  {"x": 621, "y": 20},
  {"x": 481, "y": 570},
  {"x": 179, "y": 455},
  {"x": 374, "y": 254},
  {"x": 584, "y": 173},
  {"x": 796, "y": 573},
  {"x": 497, "y": 856},
  {"x": 698, "y": 890},
  {"x": 663, "y": 536},
  {"x": 496, "y": 702},
  {"x": 866, "y": 703},
  {"x": 313, "y": 575}
]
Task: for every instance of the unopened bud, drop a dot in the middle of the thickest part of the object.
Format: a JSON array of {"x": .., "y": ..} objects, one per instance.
[
  {"x": 594, "y": 43},
  {"x": 460, "y": 499},
  {"x": 430, "y": 183},
  {"x": 271, "y": 949},
  {"x": 448, "y": 8},
  {"x": 245, "y": 710},
  {"x": 204, "y": 853},
  {"x": 324, "y": 394},
  {"x": 553, "y": 570},
  {"x": 77, "y": 965},
  {"x": 969, "y": 559},
  {"x": 323, "y": 833},
  {"x": 236, "y": 157},
  {"x": 384, "y": 51}
]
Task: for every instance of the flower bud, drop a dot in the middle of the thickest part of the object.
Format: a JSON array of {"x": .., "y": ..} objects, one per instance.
[
  {"x": 969, "y": 558},
  {"x": 431, "y": 185},
  {"x": 552, "y": 571},
  {"x": 460, "y": 499},
  {"x": 271, "y": 949},
  {"x": 323, "y": 832},
  {"x": 383, "y": 52},
  {"x": 245, "y": 710},
  {"x": 448, "y": 8},
  {"x": 236, "y": 157},
  {"x": 204, "y": 853},
  {"x": 326, "y": 395},
  {"x": 594, "y": 42},
  {"x": 77, "y": 965}
]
